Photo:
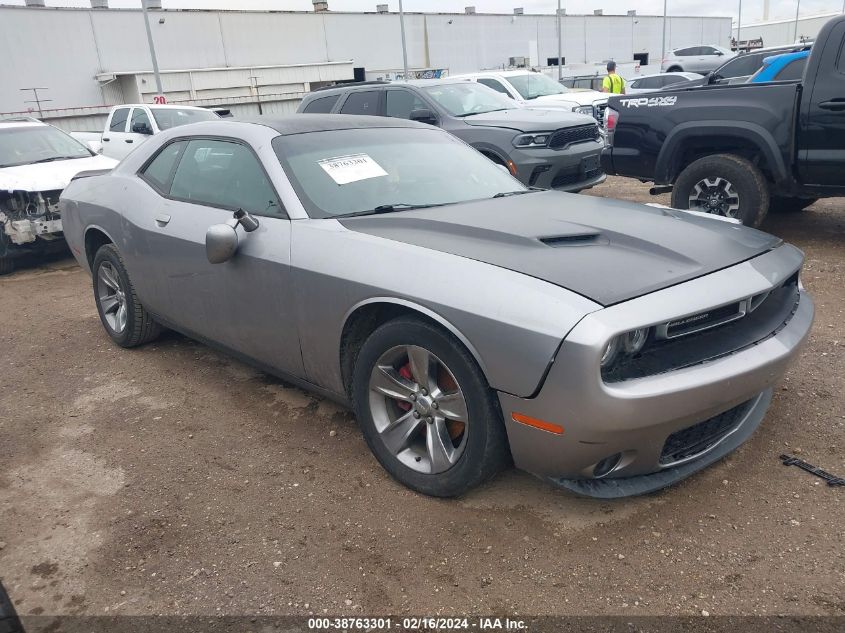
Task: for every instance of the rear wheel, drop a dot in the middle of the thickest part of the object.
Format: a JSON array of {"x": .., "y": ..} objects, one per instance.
[
  {"x": 723, "y": 184},
  {"x": 780, "y": 204},
  {"x": 123, "y": 317},
  {"x": 426, "y": 410}
]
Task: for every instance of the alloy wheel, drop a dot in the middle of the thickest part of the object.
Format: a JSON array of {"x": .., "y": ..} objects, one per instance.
[
  {"x": 715, "y": 195},
  {"x": 111, "y": 297},
  {"x": 419, "y": 409}
]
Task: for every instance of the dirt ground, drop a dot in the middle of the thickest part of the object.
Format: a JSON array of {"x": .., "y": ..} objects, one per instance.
[{"x": 175, "y": 480}]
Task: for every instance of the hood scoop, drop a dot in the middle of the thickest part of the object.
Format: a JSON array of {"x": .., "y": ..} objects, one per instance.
[{"x": 578, "y": 239}]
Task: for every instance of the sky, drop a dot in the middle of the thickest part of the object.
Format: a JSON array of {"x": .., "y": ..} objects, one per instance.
[{"x": 751, "y": 9}]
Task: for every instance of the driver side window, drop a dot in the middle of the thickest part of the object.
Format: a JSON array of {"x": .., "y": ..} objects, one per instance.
[
  {"x": 400, "y": 104},
  {"x": 140, "y": 122},
  {"x": 224, "y": 174}
]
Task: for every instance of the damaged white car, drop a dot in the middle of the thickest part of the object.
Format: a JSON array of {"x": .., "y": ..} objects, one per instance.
[{"x": 37, "y": 161}]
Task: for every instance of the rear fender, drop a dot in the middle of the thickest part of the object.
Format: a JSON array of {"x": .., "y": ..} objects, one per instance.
[{"x": 667, "y": 170}]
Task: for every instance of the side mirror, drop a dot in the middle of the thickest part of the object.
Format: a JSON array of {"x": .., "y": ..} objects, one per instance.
[
  {"x": 719, "y": 53},
  {"x": 221, "y": 243},
  {"x": 142, "y": 128},
  {"x": 424, "y": 115}
]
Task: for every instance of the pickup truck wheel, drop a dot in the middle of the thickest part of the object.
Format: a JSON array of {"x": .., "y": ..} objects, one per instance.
[
  {"x": 426, "y": 410},
  {"x": 725, "y": 185},
  {"x": 781, "y": 204},
  {"x": 123, "y": 317}
]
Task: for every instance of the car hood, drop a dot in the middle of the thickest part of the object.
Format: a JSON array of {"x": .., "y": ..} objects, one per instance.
[
  {"x": 525, "y": 120},
  {"x": 49, "y": 176},
  {"x": 606, "y": 250},
  {"x": 581, "y": 97}
]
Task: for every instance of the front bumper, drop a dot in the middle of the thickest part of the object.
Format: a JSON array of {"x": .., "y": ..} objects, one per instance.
[
  {"x": 634, "y": 418},
  {"x": 572, "y": 169}
]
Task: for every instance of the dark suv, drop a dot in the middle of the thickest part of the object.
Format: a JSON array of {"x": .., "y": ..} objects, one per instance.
[{"x": 549, "y": 149}]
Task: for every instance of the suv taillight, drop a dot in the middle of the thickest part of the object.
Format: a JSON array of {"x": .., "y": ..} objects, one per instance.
[{"x": 611, "y": 118}]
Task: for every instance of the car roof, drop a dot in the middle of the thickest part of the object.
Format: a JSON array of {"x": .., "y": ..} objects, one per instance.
[
  {"x": 6, "y": 124},
  {"x": 303, "y": 123},
  {"x": 678, "y": 73},
  {"x": 785, "y": 57},
  {"x": 497, "y": 73}
]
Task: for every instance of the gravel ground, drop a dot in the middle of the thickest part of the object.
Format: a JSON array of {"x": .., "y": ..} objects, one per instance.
[{"x": 175, "y": 480}]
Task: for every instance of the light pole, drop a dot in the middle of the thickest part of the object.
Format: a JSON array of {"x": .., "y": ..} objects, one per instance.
[
  {"x": 404, "y": 48},
  {"x": 152, "y": 47},
  {"x": 665, "y": 4},
  {"x": 738, "y": 25},
  {"x": 797, "y": 10},
  {"x": 560, "y": 45}
]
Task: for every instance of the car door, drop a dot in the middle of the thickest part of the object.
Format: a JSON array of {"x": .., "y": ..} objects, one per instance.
[
  {"x": 822, "y": 120},
  {"x": 244, "y": 304},
  {"x": 114, "y": 137}
]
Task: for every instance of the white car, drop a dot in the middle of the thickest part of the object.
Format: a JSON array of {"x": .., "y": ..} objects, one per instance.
[
  {"x": 37, "y": 161},
  {"x": 696, "y": 59},
  {"x": 650, "y": 83},
  {"x": 128, "y": 126},
  {"x": 535, "y": 90}
]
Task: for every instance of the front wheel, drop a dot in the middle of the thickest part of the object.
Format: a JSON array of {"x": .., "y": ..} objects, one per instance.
[
  {"x": 723, "y": 184},
  {"x": 426, "y": 410},
  {"x": 123, "y": 317}
]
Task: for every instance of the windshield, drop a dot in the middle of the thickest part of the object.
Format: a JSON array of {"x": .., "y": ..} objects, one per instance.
[
  {"x": 468, "y": 98},
  {"x": 341, "y": 172},
  {"x": 167, "y": 118},
  {"x": 533, "y": 85},
  {"x": 38, "y": 143}
]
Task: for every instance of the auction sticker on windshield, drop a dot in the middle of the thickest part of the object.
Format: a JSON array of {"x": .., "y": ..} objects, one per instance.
[{"x": 352, "y": 168}]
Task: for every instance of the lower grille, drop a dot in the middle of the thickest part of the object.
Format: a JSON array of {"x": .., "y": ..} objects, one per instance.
[
  {"x": 698, "y": 438},
  {"x": 571, "y": 178}
]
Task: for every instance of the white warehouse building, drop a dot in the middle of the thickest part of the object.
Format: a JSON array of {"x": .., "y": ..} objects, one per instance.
[{"x": 85, "y": 59}]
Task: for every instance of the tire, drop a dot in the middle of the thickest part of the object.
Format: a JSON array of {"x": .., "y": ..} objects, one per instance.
[
  {"x": 741, "y": 185},
  {"x": 7, "y": 265},
  {"x": 675, "y": 69},
  {"x": 121, "y": 313},
  {"x": 7, "y": 262},
  {"x": 473, "y": 450},
  {"x": 781, "y": 204},
  {"x": 9, "y": 620}
]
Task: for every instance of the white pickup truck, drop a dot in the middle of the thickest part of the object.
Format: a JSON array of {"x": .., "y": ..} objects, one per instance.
[{"x": 130, "y": 125}]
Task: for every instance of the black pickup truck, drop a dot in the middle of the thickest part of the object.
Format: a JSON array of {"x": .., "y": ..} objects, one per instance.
[{"x": 737, "y": 150}]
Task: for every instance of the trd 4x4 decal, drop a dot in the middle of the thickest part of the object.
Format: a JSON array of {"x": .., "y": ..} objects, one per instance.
[{"x": 649, "y": 102}]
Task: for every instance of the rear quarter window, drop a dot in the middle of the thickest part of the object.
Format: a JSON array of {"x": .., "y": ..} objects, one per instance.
[{"x": 323, "y": 105}]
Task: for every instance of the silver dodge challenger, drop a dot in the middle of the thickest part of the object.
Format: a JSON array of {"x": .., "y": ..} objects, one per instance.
[{"x": 608, "y": 347}]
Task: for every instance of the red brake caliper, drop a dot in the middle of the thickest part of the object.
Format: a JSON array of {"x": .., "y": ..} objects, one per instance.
[{"x": 405, "y": 372}]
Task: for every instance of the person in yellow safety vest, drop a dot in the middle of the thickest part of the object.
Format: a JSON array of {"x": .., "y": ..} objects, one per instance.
[{"x": 613, "y": 83}]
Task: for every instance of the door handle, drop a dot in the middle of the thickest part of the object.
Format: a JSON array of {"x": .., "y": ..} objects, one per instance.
[
  {"x": 129, "y": 140},
  {"x": 162, "y": 219},
  {"x": 106, "y": 140},
  {"x": 835, "y": 104}
]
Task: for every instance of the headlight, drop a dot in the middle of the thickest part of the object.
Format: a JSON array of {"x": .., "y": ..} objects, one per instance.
[
  {"x": 532, "y": 140},
  {"x": 588, "y": 110},
  {"x": 627, "y": 344}
]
